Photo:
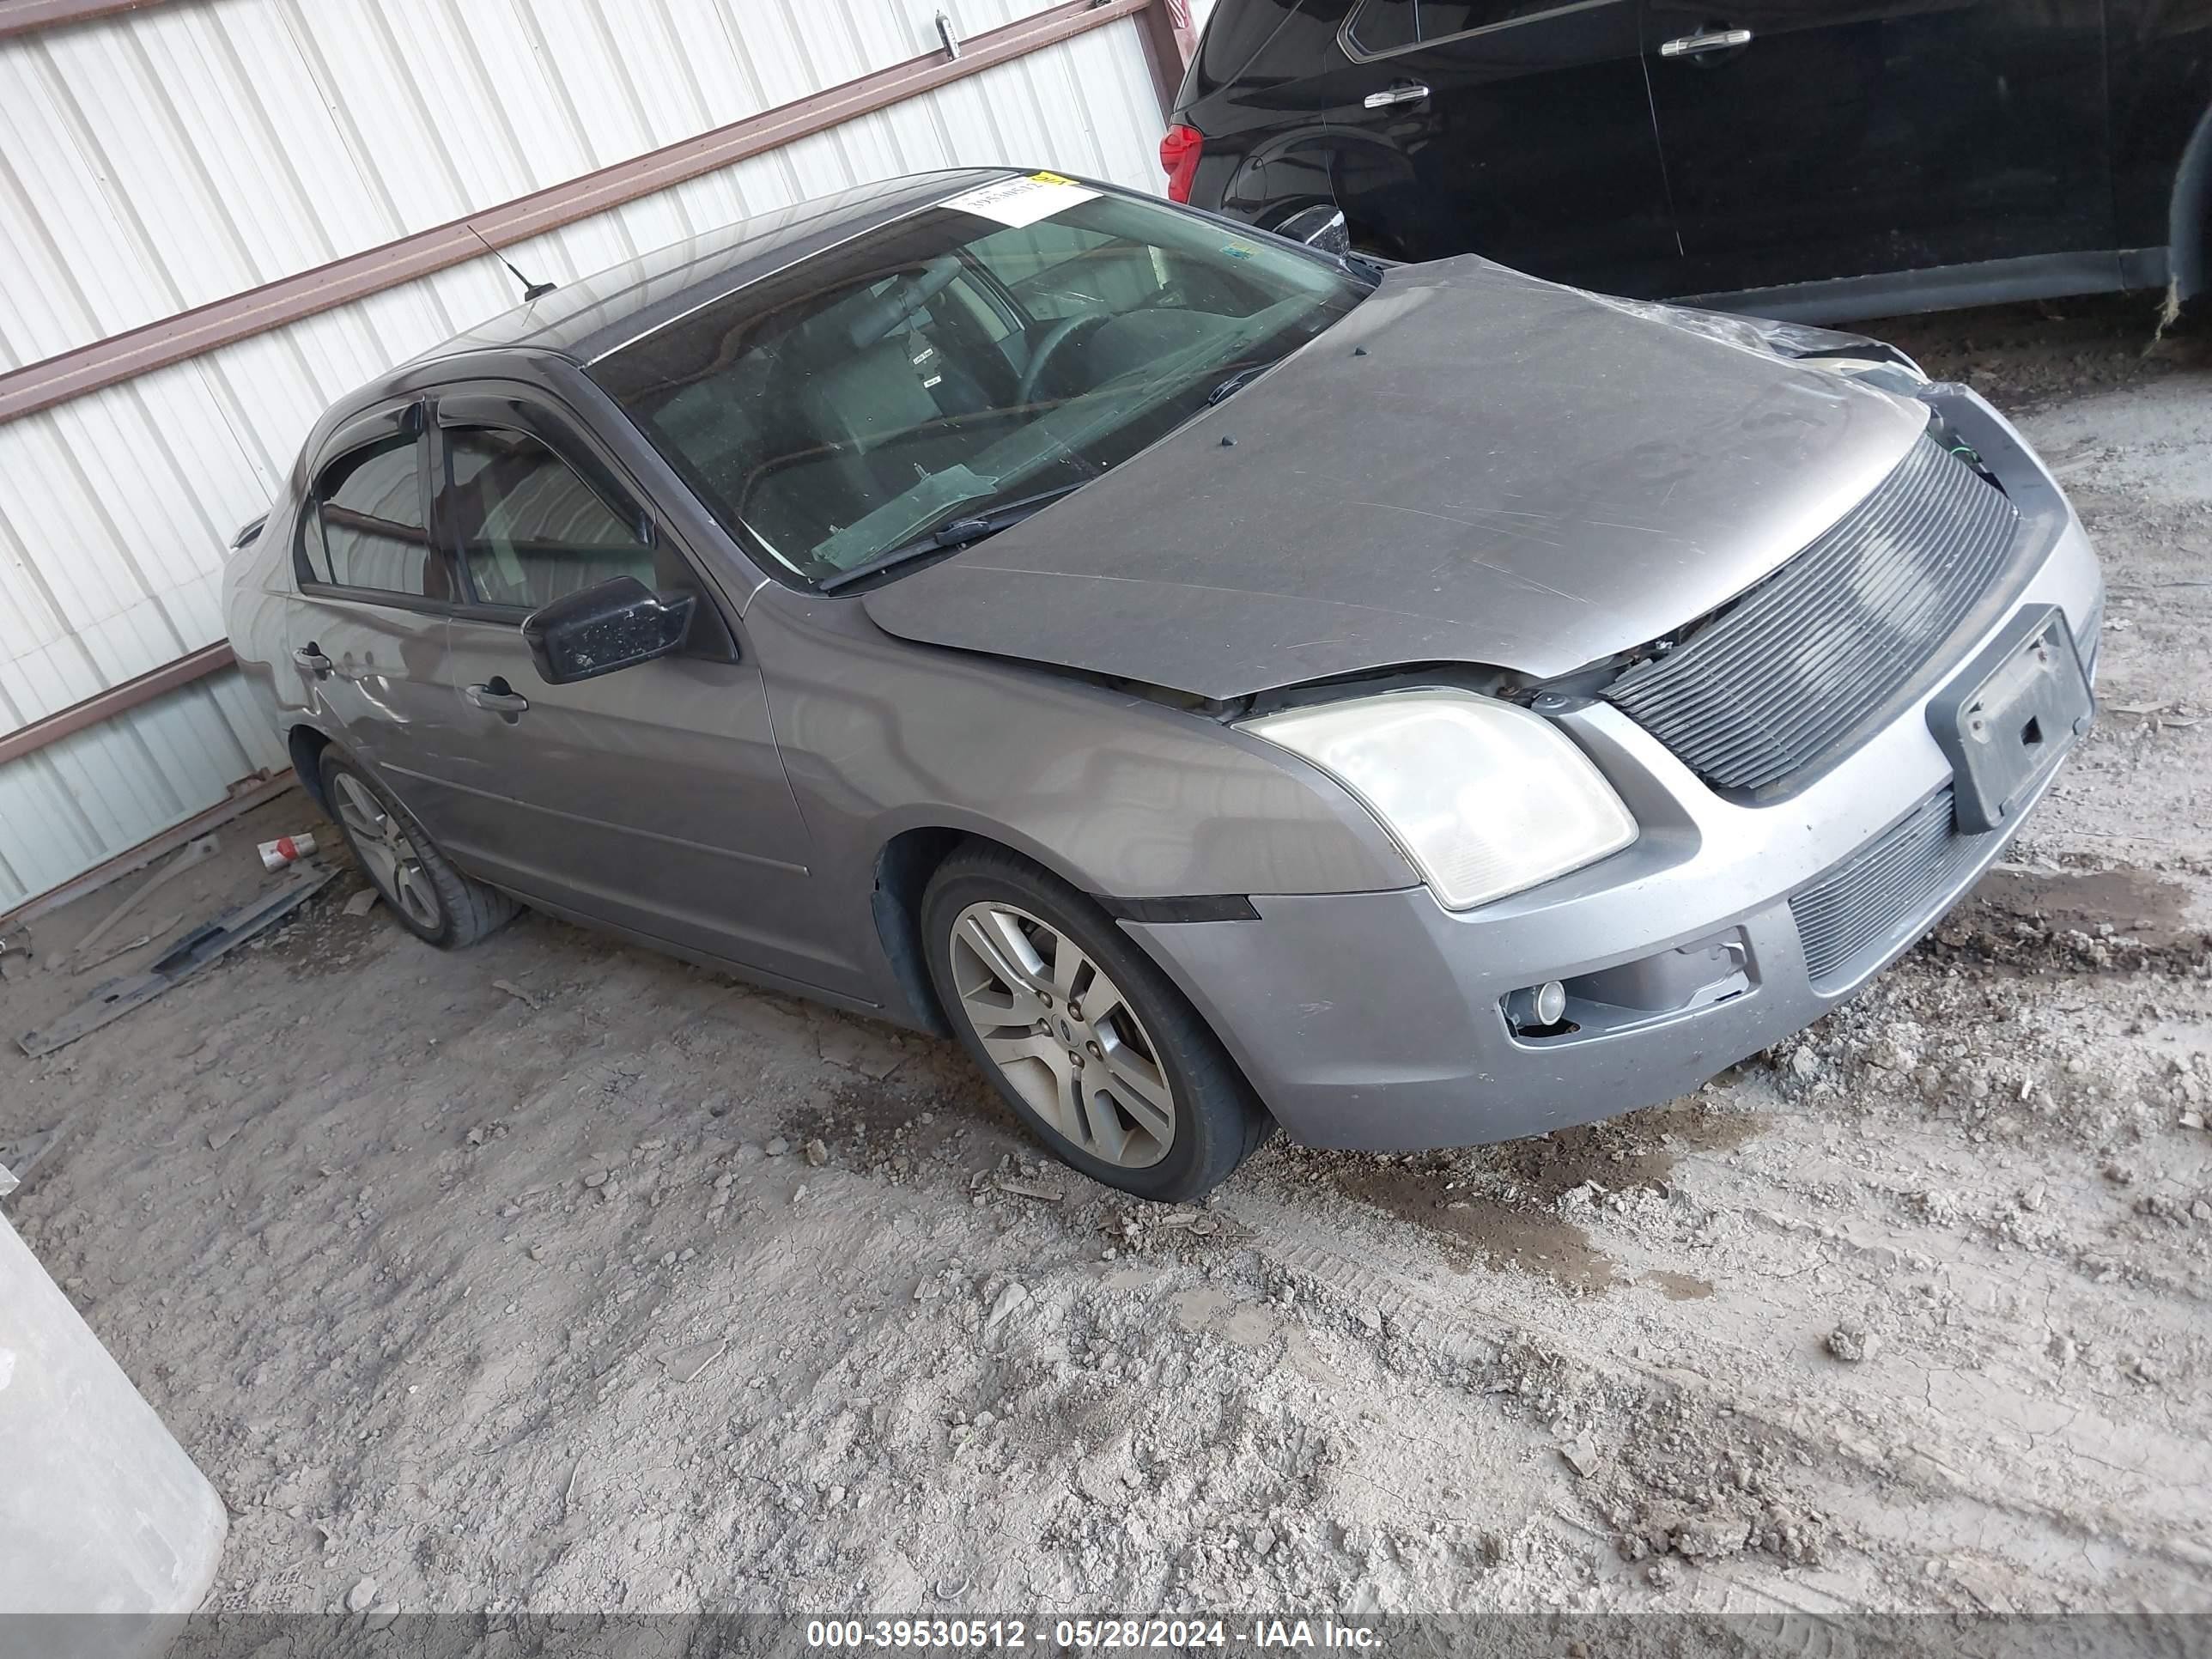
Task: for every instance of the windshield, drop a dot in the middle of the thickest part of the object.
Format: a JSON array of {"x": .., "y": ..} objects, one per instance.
[{"x": 1014, "y": 341}]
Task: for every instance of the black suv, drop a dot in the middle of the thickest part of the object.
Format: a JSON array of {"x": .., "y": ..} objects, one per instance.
[{"x": 1809, "y": 159}]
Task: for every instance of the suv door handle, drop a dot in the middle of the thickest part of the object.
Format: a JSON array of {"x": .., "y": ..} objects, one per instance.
[
  {"x": 1692, "y": 45},
  {"x": 1405, "y": 92},
  {"x": 310, "y": 657},
  {"x": 498, "y": 695}
]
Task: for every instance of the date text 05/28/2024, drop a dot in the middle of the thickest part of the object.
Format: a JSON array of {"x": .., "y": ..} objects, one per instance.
[{"x": 1088, "y": 1635}]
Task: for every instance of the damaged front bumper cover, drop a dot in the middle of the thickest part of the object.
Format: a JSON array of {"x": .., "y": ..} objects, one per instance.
[{"x": 1380, "y": 1020}]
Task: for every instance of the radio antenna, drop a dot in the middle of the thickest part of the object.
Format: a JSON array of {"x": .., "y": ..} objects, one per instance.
[{"x": 530, "y": 290}]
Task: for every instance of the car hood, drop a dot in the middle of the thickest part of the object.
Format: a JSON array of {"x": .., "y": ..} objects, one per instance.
[{"x": 1473, "y": 466}]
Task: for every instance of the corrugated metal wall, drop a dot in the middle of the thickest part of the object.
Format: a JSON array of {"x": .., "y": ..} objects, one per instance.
[
  {"x": 80, "y": 802},
  {"x": 156, "y": 161}
]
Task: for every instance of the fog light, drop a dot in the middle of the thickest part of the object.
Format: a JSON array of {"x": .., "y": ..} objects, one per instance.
[
  {"x": 1551, "y": 1002},
  {"x": 1537, "y": 1008}
]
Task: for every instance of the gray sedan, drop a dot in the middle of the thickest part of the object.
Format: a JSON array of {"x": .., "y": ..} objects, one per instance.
[{"x": 1223, "y": 682}]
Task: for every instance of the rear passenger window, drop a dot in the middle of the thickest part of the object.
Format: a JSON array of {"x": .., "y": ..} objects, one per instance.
[
  {"x": 366, "y": 528},
  {"x": 529, "y": 528}
]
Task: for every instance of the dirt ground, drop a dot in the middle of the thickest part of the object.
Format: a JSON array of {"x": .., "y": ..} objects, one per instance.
[{"x": 557, "y": 1275}]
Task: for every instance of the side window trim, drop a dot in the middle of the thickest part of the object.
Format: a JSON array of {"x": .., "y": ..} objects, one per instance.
[
  {"x": 383, "y": 599},
  {"x": 1347, "y": 44}
]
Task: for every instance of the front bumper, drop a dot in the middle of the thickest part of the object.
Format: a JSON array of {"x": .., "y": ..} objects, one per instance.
[{"x": 1375, "y": 1020}]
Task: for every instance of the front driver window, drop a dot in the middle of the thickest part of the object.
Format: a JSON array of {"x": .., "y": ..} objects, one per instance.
[{"x": 529, "y": 529}]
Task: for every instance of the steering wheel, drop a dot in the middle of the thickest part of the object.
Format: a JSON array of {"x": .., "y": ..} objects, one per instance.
[{"x": 1048, "y": 346}]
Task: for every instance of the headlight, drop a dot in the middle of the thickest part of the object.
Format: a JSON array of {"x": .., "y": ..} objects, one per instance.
[{"x": 1484, "y": 798}]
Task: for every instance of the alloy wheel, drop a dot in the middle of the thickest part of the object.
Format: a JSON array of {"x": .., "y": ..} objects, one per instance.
[
  {"x": 386, "y": 853},
  {"x": 1066, "y": 1039}
]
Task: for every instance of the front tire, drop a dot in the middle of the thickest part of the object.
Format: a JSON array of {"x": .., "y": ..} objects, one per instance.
[
  {"x": 433, "y": 900},
  {"x": 1090, "y": 1044}
]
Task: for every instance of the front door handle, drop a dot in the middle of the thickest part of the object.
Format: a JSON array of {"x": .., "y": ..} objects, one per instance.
[
  {"x": 1693, "y": 45},
  {"x": 310, "y": 657},
  {"x": 1405, "y": 92},
  {"x": 497, "y": 695}
]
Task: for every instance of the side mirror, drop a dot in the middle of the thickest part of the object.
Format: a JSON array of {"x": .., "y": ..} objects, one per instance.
[
  {"x": 617, "y": 624},
  {"x": 1318, "y": 227}
]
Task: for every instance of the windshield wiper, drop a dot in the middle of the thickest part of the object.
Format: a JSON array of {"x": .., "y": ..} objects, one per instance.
[
  {"x": 1226, "y": 389},
  {"x": 1235, "y": 383},
  {"x": 967, "y": 529}
]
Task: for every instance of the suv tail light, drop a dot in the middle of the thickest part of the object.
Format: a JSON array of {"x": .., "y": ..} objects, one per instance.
[{"x": 1179, "y": 156}]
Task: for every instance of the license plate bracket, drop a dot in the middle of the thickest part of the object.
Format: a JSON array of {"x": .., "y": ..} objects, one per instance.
[{"x": 2009, "y": 718}]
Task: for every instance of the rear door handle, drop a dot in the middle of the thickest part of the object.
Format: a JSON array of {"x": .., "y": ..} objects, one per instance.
[
  {"x": 498, "y": 695},
  {"x": 310, "y": 657},
  {"x": 1692, "y": 45},
  {"x": 1405, "y": 92}
]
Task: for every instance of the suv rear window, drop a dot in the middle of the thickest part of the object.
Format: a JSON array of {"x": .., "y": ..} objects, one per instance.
[{"x": 1386, "y": 26}]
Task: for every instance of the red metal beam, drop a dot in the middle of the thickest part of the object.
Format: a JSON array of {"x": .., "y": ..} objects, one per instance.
[
  {"x": 1169, "y": 40},
  {"x": 22, "y": 16}
]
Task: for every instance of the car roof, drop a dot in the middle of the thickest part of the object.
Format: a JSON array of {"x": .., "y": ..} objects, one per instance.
[{"x": 585, "y": 320}]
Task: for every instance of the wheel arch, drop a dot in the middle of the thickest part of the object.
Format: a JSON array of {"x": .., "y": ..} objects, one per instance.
[
  {"x": 1367, "y": 176},
  {"x": 1364, "y": 234},
  {"x": 903, "y": 864},
  {"x": 2189, "y": 215},
  {"x": 305, "y": 745}
]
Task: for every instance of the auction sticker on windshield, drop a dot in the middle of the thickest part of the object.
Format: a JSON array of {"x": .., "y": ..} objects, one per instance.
[{"x": 1015, "y": 203}]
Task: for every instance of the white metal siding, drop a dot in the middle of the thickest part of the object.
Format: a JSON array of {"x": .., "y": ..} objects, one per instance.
[
  {"x": 78, "y": 803},
  {"x": 160, "y": 160}
]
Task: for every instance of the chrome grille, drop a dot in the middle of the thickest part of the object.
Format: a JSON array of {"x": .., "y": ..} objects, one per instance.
[
  {"x": 1880, "y": 898},
  {"x": 1782, "y": 677}
]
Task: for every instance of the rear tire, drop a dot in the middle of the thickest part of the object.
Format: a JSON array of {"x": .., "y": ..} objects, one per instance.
[
  {"x": 1133, "y": 1090},
  {"x": 417, "y": 883}
]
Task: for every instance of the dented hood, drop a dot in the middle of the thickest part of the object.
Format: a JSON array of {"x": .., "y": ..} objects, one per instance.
[{"x": 1473, "y": 466}]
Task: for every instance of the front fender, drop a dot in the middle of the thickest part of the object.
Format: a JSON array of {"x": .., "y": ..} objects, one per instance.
[{"x": 1116, "y": 793}]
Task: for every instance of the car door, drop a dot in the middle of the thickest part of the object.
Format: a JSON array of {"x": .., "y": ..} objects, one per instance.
[
  {"x": 1517, "y": 129},
  {"x": 652, "y": 797},
  {"x": 1806, "y": 140},
  {"x": 368, "y": 638}
]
